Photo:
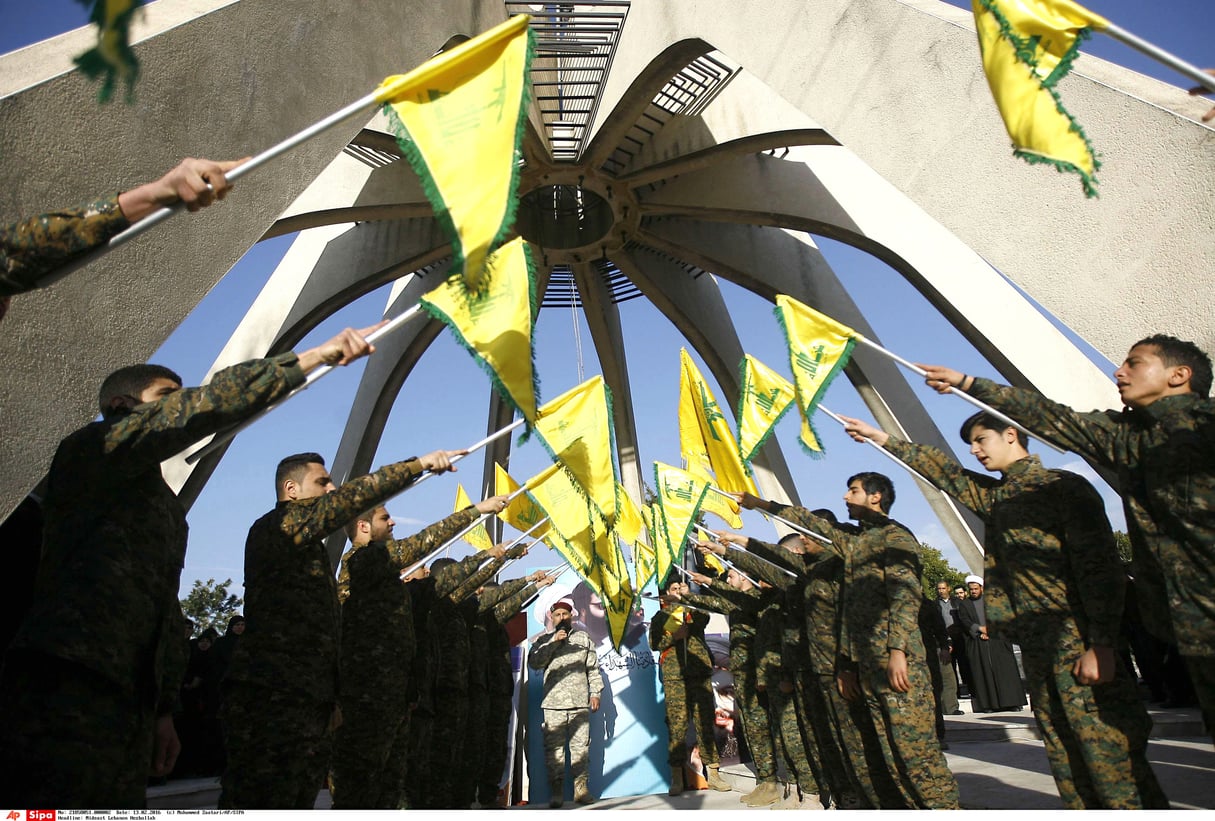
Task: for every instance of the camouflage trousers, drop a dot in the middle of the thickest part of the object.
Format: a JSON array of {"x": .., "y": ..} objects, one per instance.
[
  {"x": 71, "y": 739},
  {"x": 365, "y": 774},
  {"x": 447, "y": 736},
  {"x": 689, "y": 700},
  {"x": 416, "y": 783},
  {"x": 916, "y": 774},
  {"x": 794, "y": 740},
  {"x": 853, "y": 736},
  {"x": 559, "y": 728},
  {"x": 472, "y": 758},
  {"x": 497, "y": 728},
  {"x": 756, "y": 729},
  {"x": 818, "y": 727},
  {"x": 278, "y": 748},
  {"x": 1096, "y": 736}
]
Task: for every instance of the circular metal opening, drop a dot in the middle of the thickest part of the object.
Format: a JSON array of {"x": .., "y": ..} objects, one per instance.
[{"x": 563, "y": 216}]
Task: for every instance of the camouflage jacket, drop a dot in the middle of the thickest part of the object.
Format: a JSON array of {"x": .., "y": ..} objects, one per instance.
[
  {"x": 742, "y": 608},
  {"x": 291, "y": 605},
  {"x": 1164, "y": 457},
  {"x": 761, "y": 560},
  {"x": 880, "y": 595},
  {"x": 496, "y": 611},
  {"x": 378, "y": 641},
  {"x": 1050, "y": 555},
  {"x": 32, "y": 248},
  {"x": 448, "y": 625},
  {"x": 687, "y": 658},
  {"x": 115, "y": 536},
  {"x": 768, "y": 653},
  {"x": 571, "y": 670}
]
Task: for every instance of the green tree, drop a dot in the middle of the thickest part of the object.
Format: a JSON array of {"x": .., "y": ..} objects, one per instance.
[
  {"x": 1123, "y": 543},
  {"x": 210, "y": 605},
  {"x": 936, "y": 568}
]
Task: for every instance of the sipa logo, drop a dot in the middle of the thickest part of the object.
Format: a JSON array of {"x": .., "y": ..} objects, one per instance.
[{"x": 40, "y": 815}]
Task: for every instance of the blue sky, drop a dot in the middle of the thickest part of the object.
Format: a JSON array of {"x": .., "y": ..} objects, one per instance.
[{"x": 443, "y": 403}]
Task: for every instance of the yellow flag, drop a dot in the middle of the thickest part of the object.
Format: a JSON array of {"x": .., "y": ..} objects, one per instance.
[
  {"x": 652, "y": 513},
  {"x": 645, "y": 563},
  {"x": 707, "y": 444},
  {"x": 679, "y": 496},
  {"x": 570, "y": 518},
  {"x": 1027, "y": 47},
  {"x": 576, "y": 429},
  {"x": 522, "y": 513},
  {"x": 459, "y": 120},
  {"x": 764, "y": 399},
  {"x": 495, "y": 325},
  {"x": 609, "y": 578},
  {"x": 478, "y": 537},
  {"x": 711, "y": 561},
  {"x": 629, "y": 524},
  {"x": 819, "y": 348}
]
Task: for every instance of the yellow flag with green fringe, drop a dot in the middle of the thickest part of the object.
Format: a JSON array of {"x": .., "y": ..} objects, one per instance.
[
  {"x": 495, "y": 325},
  {"x": 678, "y": 495},
  {"x": 652, "y": 513},
  {"x": 1028, "y": 46},
  {"x": 644, "y": 562},
  {"x": 609, "y": 578},
  {"x": 764, "y": 398},
  {"x": 112, "y": 59},
  {"x": 522, "y": 513},
  {"x": 819, "y": 348},
  {"x": 707, "y": 444},
  {"x": 478, "y": 537},
  {"x": 629, "y": 524},
  {"x": 459, "y": 120},
  {"x": 570, "y": 516},
  {"x": 576, "y": 429}
]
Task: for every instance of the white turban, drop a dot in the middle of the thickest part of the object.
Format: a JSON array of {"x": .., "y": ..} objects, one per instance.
[{"x": 975, "y": 579}]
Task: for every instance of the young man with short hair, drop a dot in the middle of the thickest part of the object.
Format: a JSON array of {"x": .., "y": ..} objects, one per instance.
[
  {"x": 1053, "y": 585},
  {"x": 1162, "y": 448},
  {"x": 282, "y": 686},
  {"x": 91, "y": 678}
]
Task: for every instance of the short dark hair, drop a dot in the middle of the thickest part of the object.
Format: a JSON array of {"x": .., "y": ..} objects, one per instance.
[
  {"x": 794, "y": 539},
  {"x": 352, "y": 527},
  {"x": 294, "y": 466},
  {"x": 439, "y": 564},
  {"x": 131, "y": 381},
  {"x": 1174, "y": 352},
  {"x": 987, "y": 421},
  {"x": 876, "y": 483}
]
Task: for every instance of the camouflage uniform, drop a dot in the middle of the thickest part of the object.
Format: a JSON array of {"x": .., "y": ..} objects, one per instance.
[
  {"x": 34, "y": 247},
  {"x": 743, "y": 607},
  {"x": 498, "y": 606},
  {"x": 686, "y": 669},
  {"x": 880, "y": 605},
  {"x": 99, "y": 655},
  {"x": 1053, "y": 584},
  {"x": 571, "y": 680},
  {"x": 1164, "y": 456},
  {"x": 450, "y": 672},
  {"x": 283, "y": 682},
  {"x": 377, "y": 651}
]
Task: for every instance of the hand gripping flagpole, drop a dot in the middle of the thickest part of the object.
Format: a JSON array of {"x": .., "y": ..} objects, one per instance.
[
  {"x": 780, "y": 519},
  {"x": 226, "y": 435},
  {"x": 380, "y": 96},
  {"x": 978, "y": 403},
  {"x": 535, "y": 480},
  {"x": 682, "y": 604},
  {"x": 729, "y": 564},
  {"x": 520, "y": 538},
  {"x": 879, "y": 448},
  {"x": 729, "y": 546}
]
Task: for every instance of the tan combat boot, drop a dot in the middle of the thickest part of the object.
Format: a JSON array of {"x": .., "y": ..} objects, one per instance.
[
  {"x": 582, "y": 791},
  {"x": 715, "y": 780},
  {"x": 676, "y": 781},
  {"x": 764, "y": 794}
]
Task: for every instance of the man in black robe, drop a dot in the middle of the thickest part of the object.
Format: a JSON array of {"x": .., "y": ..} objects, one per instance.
[{"x": 995, "y": 684}]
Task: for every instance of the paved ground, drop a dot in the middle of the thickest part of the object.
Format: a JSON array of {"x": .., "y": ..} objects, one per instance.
[{"x": 998, "y": 761}]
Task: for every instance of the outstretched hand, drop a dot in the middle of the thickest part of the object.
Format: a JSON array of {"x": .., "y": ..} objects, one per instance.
[
  {"x": 942, "y": 379},
  {"x": 343, "y": 349},
  {"x": 860, "y": 431},
  {"x": 194, "y": 182},
  {"x": 1210, "y": 115},
  {"x": 494, "y": 504},
  {"x": 440, "y": 461}
]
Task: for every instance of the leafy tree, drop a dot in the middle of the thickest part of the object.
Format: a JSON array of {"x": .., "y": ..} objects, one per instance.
[
  {"x": 1123, "y": 543},
  {"x": 936, "y": 568},
  {"x": 210, "y": 605}
]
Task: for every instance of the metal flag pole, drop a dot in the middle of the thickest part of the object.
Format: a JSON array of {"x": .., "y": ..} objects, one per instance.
[
  {"x": 481, "y": 519},
  {"x": 476, "y": 446},
  {"x": 780, "y": 519},
  {"x": 1160, "y": 55},
  {"x": 978, "y": 403},
  {"x": 226, "y": 435},
  {"x": 729, "y": 564},
  {"x": 684, "y": 605},
  {"x": 879, "y": 448},
  {"x": 729, "y": 546},
  {"x": 520, "y": 538}
]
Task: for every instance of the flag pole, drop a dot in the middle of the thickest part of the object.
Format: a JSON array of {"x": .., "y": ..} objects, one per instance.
[
  {"x": 780, "y": 519},
  {"x": 225, "y": 436},
  {"x": 519, "y": 539},
  {"x": 729, "y": 564},
  {"x": 879, "y": 448},
  {"x": 159, "y": 216},
  {"x": 978, "y": 403},
  {"x": 729, "y": 546},
  {"x": 476, "y": 446},
  {"x": 1160, "y": 55},
  {"x": 684, "y": 605}
]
